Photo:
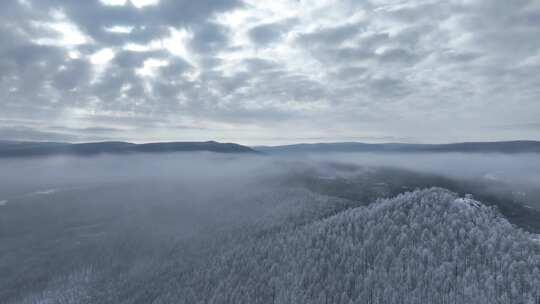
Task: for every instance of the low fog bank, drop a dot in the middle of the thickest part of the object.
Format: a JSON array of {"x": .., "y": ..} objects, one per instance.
[
  {"x": 518, "y": 170},
  {"x": 511, "y": 168},
  {"x": 20, "y": 176},
  {"x": 210, "y": 172}
]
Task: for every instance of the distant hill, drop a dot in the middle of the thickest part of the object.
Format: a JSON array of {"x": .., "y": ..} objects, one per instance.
[
  {"x": 349, "y": 147},
  {"x": 30, "y": 149}
]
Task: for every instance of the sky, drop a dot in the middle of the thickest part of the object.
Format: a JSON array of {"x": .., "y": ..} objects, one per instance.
[{"x": 270, "y": 72}]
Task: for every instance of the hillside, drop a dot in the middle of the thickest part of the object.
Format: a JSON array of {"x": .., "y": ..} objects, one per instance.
[
  {"x": 425, "y": 246},
  {"x": 350, "y": 147},
  {"x": 29, "y": 149},
  {"x": 421, "y": 247}
]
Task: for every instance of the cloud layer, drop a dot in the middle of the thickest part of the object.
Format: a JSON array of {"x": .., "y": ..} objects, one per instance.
[{"x": 258, "y": 71}]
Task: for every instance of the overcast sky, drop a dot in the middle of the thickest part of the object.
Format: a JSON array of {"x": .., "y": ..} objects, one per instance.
[{"x": 270, "y": 72}]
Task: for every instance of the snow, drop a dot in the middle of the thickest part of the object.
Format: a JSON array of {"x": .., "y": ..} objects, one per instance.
[{"x": 467, "y": 202}]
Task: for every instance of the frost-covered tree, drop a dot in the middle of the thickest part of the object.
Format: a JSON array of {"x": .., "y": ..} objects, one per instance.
[{"x": 425, "y": 246}]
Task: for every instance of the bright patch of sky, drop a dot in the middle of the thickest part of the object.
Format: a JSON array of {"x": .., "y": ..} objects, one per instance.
[
  {"x": 67, "y": 33},
  {"x": 103, "y": 56},
  {"x": 120, "y": 29},
  {"x": 136, "y": 3}
]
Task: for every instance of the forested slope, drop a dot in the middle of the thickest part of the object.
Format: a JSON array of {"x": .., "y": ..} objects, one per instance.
[
  {"x": 426, "y": 246},
  {"x": 421, "y": 247}
]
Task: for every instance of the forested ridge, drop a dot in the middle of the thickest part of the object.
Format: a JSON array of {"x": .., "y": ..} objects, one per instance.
[
  {"x": 425, "y": 246},
  {"x": 421, "y": 247}
]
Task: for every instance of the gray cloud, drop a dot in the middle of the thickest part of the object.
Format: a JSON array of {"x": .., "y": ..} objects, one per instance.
[
  {"x": 76, "y": 73},
  {"x": 131, "y": 59},
  {"x": 267, "y": 33},
  {"x": 398, "y": 55},
  {"x": 333, "y": 35},
  {"x": 24, "y": 133},
  {"x": 209, "y": 37},
  {"x": 90, "y": 130},
  {"x": 534, "y": 126}
]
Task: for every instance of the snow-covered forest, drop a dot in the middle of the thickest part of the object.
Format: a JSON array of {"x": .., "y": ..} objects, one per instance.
[
  {"x": 426, "y": 246},
  {"x": 240, "y": 230},
  {"x": 421, "y": 247}
]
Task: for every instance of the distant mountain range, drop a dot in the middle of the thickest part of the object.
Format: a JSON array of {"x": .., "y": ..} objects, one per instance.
[
  {"x": 350, "y": 147},
  {"x": 29, "y": 149}
]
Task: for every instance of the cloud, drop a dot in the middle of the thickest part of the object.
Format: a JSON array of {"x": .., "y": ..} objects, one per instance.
[
  {"x": 332, "y": 35},
  {"x": 264, "y": 34},
  {"x": 534, "y": 126},
  {"x": 209, "y": 37},
  {"x": 72, "y": 75},
  {"x": 31, "y": 134},
  {"x": 325, "y": 67}
]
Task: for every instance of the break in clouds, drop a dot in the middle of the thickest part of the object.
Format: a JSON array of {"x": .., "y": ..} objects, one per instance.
[{"x": 247, "y": 71}]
